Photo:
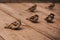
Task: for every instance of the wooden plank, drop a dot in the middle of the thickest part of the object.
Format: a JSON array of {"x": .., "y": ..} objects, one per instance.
[
  {"x": 55, "y": 29},
  {"x": 5, "y": 19},
  {"x": 1, "y": 38},
  {"x": 53, "y": 32},
  {"x": 16, "y": 15},
  {"x": 25, "y": 34}
]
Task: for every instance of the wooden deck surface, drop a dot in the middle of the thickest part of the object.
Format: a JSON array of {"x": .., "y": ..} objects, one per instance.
[{"x": 10, "y": 12}]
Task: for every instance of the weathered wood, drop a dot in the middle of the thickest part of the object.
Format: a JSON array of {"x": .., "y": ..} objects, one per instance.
[
  {"x": 54, "y": 29},
  {"x": 10, "y": 10},
  {"x": 51, "y": 31},
  {"x": 1, "y": 38},
  {"x": 26, "y": 33}
]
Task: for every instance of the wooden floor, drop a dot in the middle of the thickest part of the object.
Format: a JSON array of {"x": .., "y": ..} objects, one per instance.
[{"x": 10, "y": 12}]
